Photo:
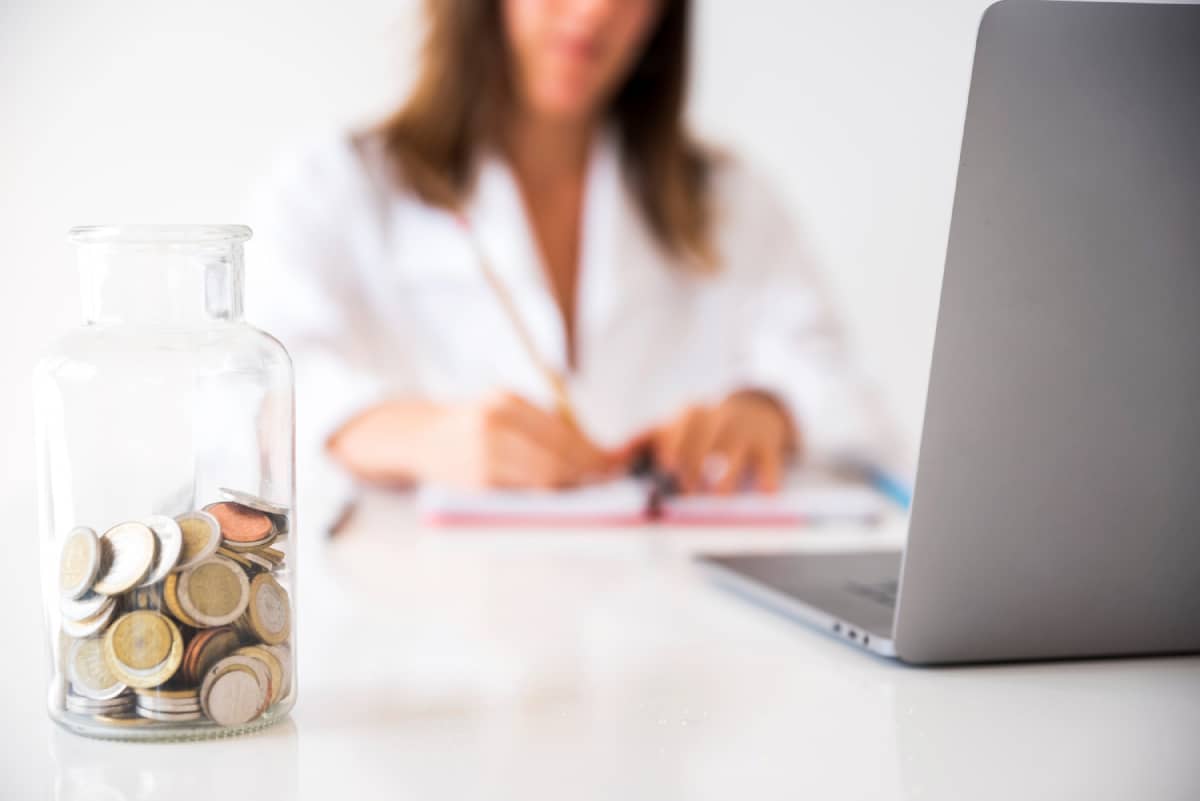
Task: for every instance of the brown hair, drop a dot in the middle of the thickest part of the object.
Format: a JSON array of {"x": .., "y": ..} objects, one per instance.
[{"x": 463, "y": 84}]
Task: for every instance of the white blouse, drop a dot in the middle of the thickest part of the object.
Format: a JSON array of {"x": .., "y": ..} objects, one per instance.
[{"x": 377, "y": 294}]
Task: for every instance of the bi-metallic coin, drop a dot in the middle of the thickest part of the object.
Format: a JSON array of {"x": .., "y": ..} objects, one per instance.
[
  {"x": 80, "y": 563},
  {"x": 130, "y": 551}
]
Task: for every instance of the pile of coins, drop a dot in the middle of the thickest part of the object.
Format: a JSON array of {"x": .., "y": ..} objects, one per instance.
[{"x": 178, "y": 620}]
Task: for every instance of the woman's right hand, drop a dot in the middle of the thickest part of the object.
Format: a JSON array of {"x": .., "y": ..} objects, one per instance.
[{"x": 500, "y": 441}]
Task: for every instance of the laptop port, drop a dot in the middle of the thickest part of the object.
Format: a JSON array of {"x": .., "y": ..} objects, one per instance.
[
  {"x": 853, "y": 634},
  {"x": 837, "y": 628}
]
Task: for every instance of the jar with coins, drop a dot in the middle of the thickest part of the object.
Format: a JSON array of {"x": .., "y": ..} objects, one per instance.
[{"x": 166, "y": 488}]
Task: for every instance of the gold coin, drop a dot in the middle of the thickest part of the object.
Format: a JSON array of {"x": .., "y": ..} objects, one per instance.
[
  {"x": 274, "y": 554},
  {"x": 129, "y": 552},
  {"x": 141, "y": 640},
  {"x": 135, "y": 641},
  {"x": 214, "y": 592},
  {"x": 269, "y": 610},
  {"x": 235, "y": 556},
  {"x": 201, "y": 538},
  {"x": 80, "y": 563},
  {"x": 89, "y": 672},
  {"x": 170, "y": 594},
  {"x": 112, "y": 720}
]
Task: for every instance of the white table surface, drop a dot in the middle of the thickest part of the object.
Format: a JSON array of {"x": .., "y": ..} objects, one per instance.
[{"x": 599, "y": 665}]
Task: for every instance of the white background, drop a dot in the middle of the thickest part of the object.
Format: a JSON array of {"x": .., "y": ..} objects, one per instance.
[{"x": 141, "y": 111}]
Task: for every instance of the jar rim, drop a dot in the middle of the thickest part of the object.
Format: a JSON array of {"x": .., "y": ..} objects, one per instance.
[{"x": 169, "y": 234}]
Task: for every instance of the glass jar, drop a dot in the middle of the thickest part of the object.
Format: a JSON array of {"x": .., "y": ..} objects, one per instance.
[{"x": 165, "y": 464}]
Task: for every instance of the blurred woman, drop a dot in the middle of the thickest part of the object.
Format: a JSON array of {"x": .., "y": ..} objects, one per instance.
[{"x": 530, "y": 270}]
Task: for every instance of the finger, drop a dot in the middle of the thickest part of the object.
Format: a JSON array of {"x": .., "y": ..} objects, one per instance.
[
  {"x": 516, "y": 461},
  {"x": 737, "y": 459},
  {"x": 692, "y": 454},
  {"x": 768, "y": 469},
  {"x": 552, "y": 431},
  {"x": 669, "y": 441},
  {"x": 723, "y": 435}
]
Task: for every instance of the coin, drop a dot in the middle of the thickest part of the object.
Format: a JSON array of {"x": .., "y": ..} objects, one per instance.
[
  {"x": 254, "y": 502},
  {"x": 147, "y": 597},
  {"x": 89, "y": 605},
  {"x": 79, "y": 563},
  {"x": 206, "y": 649},
  {"x": 130, "y": 551},
  {"x": 118, "y": 720},
  {"x": 274, "y": 554},
  {"x": 170, "y": 546},
  {"x": 258, "y": 561},
  {"x": 247, "y": 547},
  {"x": 241, "y": 524},
  {"x": 143, "y": 648},
  {"x": 90, "y": 625},
  {"x": 269, "y": 611},
  {"x": 201, "y": 538},
  {"x": 233, "y": 693},
  {"x": 83, "y": 706},
  {"x": 169, "y": 700},
  {"x": 214, "y": 592},
  {"x": 274, "y": 669},
  {"x": 170, "y": 594},
  {"x": 284, "y": 654},
  {"x": 235, "y": 556},
  {"x": 89, "y": 673},
  {"x": 169, "y": 717}
]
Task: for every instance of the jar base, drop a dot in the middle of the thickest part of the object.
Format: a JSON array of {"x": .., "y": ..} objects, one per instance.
[{"x": 142, "y": 730}]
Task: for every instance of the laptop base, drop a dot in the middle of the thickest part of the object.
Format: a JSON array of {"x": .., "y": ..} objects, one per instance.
[{"x": 848, "y": 595}]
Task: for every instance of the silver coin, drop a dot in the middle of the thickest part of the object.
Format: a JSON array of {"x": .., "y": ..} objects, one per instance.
[
  {"x": 255, "y": 502},
  {"x": 91, "y": 625},
  {"x": 284, "y": 654},
  {"x": 170, "y": 545},
  {"x": 130, "y": 551},
  {"x": 78, "y": 702},
  {"x": 161, "y": 703},
  {"x": 258, "y": 560},
  {"x": 235, "y": 691},
  {"x": 89, "y": 605},
  {"x": 80, "y": 562},
  {"x": 88, "y": 706},
  {"x": 169, "y": 717},
  {"x": 89, "y": 673}
]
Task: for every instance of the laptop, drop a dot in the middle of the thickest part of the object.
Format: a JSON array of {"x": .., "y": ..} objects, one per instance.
[{"x": 1056, "y": 509}]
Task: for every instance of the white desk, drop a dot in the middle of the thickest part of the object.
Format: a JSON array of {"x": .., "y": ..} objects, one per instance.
[{"x": 597, "y": 665}]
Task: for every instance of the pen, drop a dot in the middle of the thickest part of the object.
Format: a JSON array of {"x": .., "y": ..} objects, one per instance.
[
  {"x": 556, "y": 380},
  {"x": 888, "y": 485}
]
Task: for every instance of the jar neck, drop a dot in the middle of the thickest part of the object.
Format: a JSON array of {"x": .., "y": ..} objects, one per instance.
[{"x": 160, "y": 283}]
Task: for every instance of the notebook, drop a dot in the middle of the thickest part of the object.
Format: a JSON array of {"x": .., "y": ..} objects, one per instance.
[
  {"x": 622, "y": 502},
  {"x": 807, "y": 497}
]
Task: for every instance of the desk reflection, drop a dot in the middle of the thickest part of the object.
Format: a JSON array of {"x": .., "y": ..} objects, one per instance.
[{"x": 257, "y": 766}]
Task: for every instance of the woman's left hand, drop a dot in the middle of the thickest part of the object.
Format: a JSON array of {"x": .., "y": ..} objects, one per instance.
[{"x": 718, "y": 448}]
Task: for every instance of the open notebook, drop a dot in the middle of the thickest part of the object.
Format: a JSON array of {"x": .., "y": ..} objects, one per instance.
[{"x": 807, "y": 497}]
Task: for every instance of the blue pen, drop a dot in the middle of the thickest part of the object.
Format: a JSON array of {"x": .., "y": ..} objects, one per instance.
[{"x": 895, "y": 490}]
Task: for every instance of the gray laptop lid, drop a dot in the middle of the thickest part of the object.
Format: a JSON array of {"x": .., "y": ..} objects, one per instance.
[{"x": 1057, "y": 503}]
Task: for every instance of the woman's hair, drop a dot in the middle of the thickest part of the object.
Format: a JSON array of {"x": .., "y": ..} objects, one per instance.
[{"x": 464, "y": 84}]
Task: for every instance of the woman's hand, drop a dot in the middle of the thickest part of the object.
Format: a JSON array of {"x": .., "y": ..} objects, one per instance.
[
  {"x": 500, "y": 441},
  {"x": 748, "y": 436}
]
